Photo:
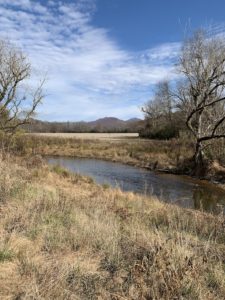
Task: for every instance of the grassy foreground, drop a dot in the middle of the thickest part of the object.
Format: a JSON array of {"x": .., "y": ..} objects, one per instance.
[{"x": 64, "y": 237}]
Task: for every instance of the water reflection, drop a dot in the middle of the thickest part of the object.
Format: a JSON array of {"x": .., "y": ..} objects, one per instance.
[
  {"x": 180, "y": 190},
  {"x": 208, "y": 200}
]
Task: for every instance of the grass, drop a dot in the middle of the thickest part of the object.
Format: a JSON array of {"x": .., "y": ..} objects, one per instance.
[
  {"x": 64, "y": 237},
  {"x": 90, "y": 136},
  {"x": 5, "y": 255}
]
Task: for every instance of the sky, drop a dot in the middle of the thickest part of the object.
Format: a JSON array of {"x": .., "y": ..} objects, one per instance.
[{"x": 103, "y": 57}]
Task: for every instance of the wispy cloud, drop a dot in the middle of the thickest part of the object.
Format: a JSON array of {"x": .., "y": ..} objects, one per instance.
[{"x": 89, "y": 74}]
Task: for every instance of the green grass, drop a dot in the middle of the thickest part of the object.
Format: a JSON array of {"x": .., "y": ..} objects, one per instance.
[{"x": 6, "y": 255}]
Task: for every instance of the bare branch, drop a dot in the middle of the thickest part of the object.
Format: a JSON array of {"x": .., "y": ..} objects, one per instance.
[
  {"x": 14, "y": 72},
  {"x": 201, "y": 92}
]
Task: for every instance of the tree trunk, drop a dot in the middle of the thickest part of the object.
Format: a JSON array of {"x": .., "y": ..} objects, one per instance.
[{"x": 199, "y": 161}]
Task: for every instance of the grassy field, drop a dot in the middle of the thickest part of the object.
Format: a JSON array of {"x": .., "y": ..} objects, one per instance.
[
  {"x": 64, "y": 237},
  {"x": 90, "y": 136}
]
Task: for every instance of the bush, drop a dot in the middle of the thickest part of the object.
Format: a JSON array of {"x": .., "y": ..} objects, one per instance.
[{"x": 163, "y": 133}]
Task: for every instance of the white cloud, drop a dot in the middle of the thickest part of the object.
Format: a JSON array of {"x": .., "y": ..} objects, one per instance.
[
  {"x": 165, "y": 52},
  {"x": 89, "y": 75}
]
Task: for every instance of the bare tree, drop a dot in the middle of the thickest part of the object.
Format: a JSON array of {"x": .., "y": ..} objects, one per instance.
[
  {"x": 18, "y": 101},
  {"x": 201, "y": 91},
  {"x": 161, "y": 104},
  {"x": 161, "y": 118}
]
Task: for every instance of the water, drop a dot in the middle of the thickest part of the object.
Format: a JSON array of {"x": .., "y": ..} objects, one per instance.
[{"x": 181, "y": 190}]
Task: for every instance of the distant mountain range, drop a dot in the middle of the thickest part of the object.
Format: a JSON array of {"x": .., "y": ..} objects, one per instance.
[
  {"x": 111, "y": 122},
  {"x": 107, "y": 124}
]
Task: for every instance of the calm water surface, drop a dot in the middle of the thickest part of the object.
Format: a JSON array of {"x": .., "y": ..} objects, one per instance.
[{"x": 181, "y": 190}]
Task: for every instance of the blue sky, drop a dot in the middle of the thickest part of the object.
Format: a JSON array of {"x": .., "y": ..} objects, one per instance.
[
  {"x": 142, "y": 24},
  {"x": 103, "y": 57}
]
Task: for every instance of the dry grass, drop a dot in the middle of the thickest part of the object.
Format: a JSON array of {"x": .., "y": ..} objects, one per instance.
[
  {"x": 90, "y": 136},
  {"x": 64, "y": 237}
]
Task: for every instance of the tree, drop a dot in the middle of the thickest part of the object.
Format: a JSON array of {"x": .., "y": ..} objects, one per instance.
[
  {"x": 18, "y": 101},
  {"x": 161, "y": 118},
  {"x": 161, "y": 104},
  {"x": 200, "y": 93}
]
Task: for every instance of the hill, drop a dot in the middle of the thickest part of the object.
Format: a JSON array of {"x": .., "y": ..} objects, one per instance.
[{"x": 107, "y": 124}]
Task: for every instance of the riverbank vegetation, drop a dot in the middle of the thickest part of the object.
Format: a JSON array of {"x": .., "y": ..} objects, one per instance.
[
  {"x": 174, "y": 155},
  {"x": 151, "y": 154},
  {"x": 64, "y": 237}
]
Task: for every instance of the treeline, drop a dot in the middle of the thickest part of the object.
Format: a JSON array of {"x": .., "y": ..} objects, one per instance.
[{"x": 83, "y": 127}]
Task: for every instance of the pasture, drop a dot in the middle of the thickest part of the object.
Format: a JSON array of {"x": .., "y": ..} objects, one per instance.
[{"x": 91, "y": 136}]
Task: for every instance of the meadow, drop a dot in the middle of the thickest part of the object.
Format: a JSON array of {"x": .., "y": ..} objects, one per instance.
[{"x": 90, "y": 136}]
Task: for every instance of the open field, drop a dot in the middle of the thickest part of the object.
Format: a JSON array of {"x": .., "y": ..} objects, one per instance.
[
  {"x": 64, "y": 237},
  {"x": 90, "y": 136}
]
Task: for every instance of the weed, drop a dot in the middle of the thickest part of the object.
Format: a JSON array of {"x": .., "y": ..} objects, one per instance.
[{"x": 6, "y": 255}]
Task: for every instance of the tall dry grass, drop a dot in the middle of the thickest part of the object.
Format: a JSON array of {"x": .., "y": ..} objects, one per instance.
[{"x": 64, "y": 237}]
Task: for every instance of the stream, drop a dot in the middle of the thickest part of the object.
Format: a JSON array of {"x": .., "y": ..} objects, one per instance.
[{"x": 181, "y": 190}]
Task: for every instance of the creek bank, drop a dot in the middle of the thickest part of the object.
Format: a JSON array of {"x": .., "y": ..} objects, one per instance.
[
  {"x": 215, "y": 172},
  {"x": 181, "y": 190}
]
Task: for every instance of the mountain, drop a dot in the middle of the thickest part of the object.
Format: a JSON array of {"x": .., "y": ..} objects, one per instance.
[
  {"x": 107, "y": 124},
  {"x": 133, "y": 120}
]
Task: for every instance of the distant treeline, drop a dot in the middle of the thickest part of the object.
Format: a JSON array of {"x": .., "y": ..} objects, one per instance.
[{"x": 107, "y": 125}]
